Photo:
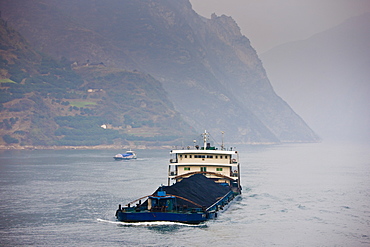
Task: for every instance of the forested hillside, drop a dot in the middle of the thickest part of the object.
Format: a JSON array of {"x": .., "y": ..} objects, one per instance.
[{"x": 49, "y": 102}]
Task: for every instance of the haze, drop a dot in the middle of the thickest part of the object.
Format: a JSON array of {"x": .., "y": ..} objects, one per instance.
[
  {"x": 315, "y": 59},
  {"x": 269, "y": 23}
]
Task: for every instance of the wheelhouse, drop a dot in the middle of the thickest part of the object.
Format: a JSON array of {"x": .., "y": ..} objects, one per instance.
[{"x": 219, "y": 165}]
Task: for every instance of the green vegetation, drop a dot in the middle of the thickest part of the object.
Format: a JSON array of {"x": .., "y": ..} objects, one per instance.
[
  {"x": 81, "y": 103},
  {"x": 8, "y": 123},
  {"x": 47, "y": 102},
  {"x": 126, "y": 99},
  {"x": 6, "y": 81},
  {"x": 83, "y": 131},
  {"x": 10, "y": 140},
  {"x": 49, "y": 78},
  {"x": 151, "y": 139}
]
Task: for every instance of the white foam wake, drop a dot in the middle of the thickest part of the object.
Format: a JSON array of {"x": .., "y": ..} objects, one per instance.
[{"x": 151, "y": 223}]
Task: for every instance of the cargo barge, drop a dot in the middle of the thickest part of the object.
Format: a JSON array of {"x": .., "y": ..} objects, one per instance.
[{"x": 202, "y": 181}]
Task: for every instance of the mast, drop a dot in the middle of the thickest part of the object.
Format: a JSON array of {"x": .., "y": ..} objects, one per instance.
[{"x": 205, "y": 137}]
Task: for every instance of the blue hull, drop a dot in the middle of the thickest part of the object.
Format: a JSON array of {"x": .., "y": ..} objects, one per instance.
[
  {"x": 189, "y": 218},
  {"x": 117, "y": 158},
  {"x": 194, "y": 216}
]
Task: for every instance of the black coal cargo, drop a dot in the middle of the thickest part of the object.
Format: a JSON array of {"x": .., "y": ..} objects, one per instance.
[{"x": 198, "y": 189}]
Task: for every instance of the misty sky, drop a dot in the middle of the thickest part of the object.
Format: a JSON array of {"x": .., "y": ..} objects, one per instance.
[{"x": 268, "y": 23}]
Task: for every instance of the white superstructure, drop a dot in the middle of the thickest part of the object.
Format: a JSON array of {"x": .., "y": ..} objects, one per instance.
[{"x": 218, "y": 164}]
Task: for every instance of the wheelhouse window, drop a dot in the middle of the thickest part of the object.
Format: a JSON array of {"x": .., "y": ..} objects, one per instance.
[{"x": 203, "y": 156}]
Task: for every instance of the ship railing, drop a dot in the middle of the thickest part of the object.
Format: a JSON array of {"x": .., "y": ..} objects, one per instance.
[
  {"x": 233, "y": 161},
  {"x": 220, "y": 203},
  {"x": 196, "y": 147},
  {"x": 234, "y": 174},
  {"x": 172, "y": 173}
]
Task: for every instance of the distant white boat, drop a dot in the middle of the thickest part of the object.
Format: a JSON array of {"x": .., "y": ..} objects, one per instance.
[{"x": 129, "y": 155}]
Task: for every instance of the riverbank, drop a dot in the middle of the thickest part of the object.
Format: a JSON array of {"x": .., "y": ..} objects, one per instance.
[
  {"x": 113, "y": 146},
  {"x": 31, "y": 147}
]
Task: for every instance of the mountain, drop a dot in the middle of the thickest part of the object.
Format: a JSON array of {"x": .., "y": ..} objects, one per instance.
[
  {"x": 326, "y": 78},
  {"x": 48, "y": 102},
  {"x": 213, "y": 76}
]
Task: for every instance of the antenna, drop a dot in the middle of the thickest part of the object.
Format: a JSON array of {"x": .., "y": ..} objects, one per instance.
[{"x": 222, "y": 145}]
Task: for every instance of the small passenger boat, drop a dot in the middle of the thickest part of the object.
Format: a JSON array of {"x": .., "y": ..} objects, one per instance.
[
  {"x": 201, "y": 182},
  {"x": 129, "y": 155}
]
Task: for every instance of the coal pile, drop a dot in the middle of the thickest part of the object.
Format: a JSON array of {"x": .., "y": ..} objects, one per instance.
[{"x": 198, "y": 189}]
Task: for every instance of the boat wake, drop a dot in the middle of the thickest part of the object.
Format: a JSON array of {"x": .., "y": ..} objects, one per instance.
[{"x": 151, "y": 223}]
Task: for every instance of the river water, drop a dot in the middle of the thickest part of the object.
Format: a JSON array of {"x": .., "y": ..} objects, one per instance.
[{"x": 293, "y": 195}]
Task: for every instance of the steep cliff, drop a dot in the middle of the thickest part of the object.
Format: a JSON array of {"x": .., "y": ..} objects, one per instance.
[{"x": 211, "y": 73}]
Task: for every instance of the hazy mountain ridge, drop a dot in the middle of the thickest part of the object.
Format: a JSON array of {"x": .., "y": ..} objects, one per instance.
[
  {"x": 46, "y": 102},
  {"x": 328, "y": 79},
  {"x": 212, "y": 74}
]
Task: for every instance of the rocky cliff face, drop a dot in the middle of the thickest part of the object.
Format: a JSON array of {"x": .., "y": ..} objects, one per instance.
[{"x": 212, "y": 75}]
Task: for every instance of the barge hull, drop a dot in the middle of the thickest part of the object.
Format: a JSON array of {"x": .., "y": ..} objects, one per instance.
[{"x": 189, "y": 218}]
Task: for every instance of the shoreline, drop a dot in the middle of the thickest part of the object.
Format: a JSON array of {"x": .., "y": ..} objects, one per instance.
[
  {"x": 115, "y": 147},
  {"x": 123, "y": 147}
]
